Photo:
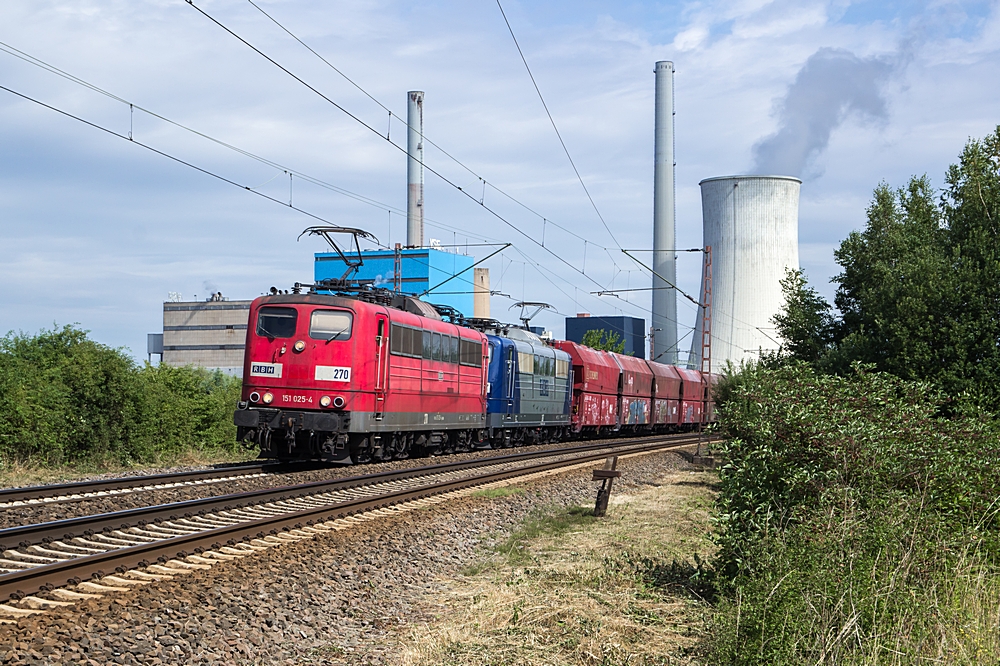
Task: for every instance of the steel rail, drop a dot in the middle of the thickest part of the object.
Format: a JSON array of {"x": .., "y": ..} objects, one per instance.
[
  {"x": 76, "y": 491},
  {"x": 68, "y": 528},
  {"x": 84, "y": 490},
  {"x": 47, "y": 576}
]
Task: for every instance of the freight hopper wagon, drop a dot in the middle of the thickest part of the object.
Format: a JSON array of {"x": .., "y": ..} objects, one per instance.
[
  {"x": 693, "y": 394},
  {"x": 666, "y": 397},
  {"x": 635, "y": 393},
  {"x": 528, "y": 399},
  {"x": 613, "y": 393},
  {"x": 335, "y": 377},
  {"x": 595, "y": 403}
]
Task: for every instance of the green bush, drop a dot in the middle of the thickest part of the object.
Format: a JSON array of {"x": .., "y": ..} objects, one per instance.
[
  {"x": 65, "y": 399},
  {"x": 856, "y": 525}
]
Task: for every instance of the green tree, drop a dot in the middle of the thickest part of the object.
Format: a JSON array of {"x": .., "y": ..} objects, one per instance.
[
  {"x": 806, "y": 323},
  {"x": 604, "y": 340},
  {"x": 896, "y": 291},
  {"x": 919, "y": 295}
]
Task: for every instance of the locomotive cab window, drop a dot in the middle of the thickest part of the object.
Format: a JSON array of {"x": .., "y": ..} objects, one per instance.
[
  {"x": 276, "y": 322},
  {"x": 330, "y": 325}
]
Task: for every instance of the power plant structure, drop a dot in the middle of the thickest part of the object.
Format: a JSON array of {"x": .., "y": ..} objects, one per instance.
[
  {"x": 752, "y": 225},
  {"x": 664, "y": 311},
  {"x": 441, "y": 275},
  {"x": 415, "y": 169}
]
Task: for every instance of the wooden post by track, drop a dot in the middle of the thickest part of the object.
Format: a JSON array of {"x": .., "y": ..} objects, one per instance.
[{"x": 607, "y": 477}]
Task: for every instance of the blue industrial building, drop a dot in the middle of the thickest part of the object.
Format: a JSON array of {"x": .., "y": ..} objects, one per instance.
[
  {"x": 631, "y": 329},
  {"x": 420, "y": 269}
]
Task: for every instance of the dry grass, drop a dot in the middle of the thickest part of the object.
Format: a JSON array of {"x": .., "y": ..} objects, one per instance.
[
  {"x": 17, "y": 474},
  {"x": 572, "y": 589}
]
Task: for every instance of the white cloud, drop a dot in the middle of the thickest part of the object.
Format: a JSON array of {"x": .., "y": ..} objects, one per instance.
[{"x": 97, "y": 230}]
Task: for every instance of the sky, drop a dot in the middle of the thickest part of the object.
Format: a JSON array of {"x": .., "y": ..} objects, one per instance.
[{"x": 97, "y": 230}]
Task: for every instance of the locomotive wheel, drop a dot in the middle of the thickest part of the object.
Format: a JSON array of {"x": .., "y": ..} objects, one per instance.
[
  {"x": 396, "y": 448},
  {"x": 361, "y": 450}
]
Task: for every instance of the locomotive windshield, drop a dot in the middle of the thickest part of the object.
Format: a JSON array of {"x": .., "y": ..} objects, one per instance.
[
  {"x": 276, "y": 322},
  {"x": 330, "y": 325}
]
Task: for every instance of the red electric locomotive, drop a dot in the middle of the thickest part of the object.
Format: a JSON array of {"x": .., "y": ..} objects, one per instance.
[{"x": 332, "y": 377}]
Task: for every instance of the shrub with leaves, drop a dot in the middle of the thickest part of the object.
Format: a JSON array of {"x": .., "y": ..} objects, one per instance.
[
  {"x": 855, "y": 523},
  {"x": 65, "y": 399}
]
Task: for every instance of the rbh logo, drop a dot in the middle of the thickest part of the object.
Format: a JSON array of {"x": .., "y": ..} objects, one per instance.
[{"x": 265, "y": 370}]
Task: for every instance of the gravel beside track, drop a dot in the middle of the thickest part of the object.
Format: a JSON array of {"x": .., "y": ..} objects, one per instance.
[
  {"x": 41, "y": 513},
  {"x": 338, "y": 598}
]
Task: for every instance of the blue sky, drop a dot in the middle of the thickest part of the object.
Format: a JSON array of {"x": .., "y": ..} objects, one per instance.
[{"x": 97, "y": 230}]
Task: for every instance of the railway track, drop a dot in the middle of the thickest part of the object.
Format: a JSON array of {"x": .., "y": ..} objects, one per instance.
[
  {"x": 87, "y": 490},
  {"x": 128, "y": 548}
]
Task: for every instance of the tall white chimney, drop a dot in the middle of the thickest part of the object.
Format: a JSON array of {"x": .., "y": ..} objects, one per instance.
[
  {"x": 664, "y": 322},
  {"x": 415, "y": 169}
]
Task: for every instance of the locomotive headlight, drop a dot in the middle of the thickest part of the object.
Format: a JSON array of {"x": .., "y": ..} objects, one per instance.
[
  {"x": 299, "y": 346},
  {"x": 268, "y": 398},
  {"x": 255, "y": 397},
  {"x": 325, "y": 401}
]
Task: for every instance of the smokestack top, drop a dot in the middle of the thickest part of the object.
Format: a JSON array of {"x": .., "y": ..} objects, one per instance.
[{"x": 664, "y": 64}]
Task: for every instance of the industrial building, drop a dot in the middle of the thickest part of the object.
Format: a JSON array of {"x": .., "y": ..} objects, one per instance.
[
  {"x": 208, "y": 334},
  {"x": 752, "y": 225},
  {"x": 420, "y": 269},
  {"x": 630, "y": 329}
]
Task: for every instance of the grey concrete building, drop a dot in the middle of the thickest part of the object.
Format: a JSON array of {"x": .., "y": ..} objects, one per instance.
[{"x": 209, "y": 334}]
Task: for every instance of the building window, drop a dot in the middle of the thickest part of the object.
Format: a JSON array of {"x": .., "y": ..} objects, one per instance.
[{"x": 276, "y": 322}]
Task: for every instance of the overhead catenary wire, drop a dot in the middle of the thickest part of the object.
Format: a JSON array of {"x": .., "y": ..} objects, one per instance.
[
  {"x": 535, "y": 265},
  {"x": 402, "y": 149},
  {"x": 280, "y": 169},
  {"x": 162, "y": 153},
  {"x": 186, "y": 163},
  {"x": 554, "y": 127},
  {"x": 485, "y": 182}
]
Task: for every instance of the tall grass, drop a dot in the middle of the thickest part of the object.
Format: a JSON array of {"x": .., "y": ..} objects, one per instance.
[
  {"x": 67, "y": 400},
  {"x": 857, "y": 525}
]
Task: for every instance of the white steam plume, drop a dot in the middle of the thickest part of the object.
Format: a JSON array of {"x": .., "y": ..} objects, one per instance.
[{"x": 831, "y": 85}]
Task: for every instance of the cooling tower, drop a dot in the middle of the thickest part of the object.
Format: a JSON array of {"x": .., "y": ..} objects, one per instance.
[{"x": 752, "y": 225}]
